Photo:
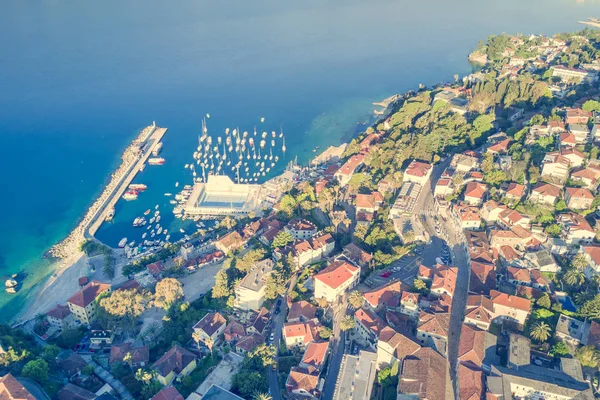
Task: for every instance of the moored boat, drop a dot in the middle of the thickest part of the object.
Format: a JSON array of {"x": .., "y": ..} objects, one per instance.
[
  {"x": 130, "y": 195},
  {"x": 156, "y": 161},
  {"x": 139, "y": 187},
  {"x": 123, "y": 242}
]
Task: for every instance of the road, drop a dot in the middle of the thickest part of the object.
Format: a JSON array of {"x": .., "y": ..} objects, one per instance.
[
  {"x": 277, "y": 329},
  {"x": 454, "y": 238},
  {"x": 338, "y": 344}
]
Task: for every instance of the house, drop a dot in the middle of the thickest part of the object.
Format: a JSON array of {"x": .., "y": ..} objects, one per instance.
[
  {"x": 70, "y": 363},
  {"x": 74, "y": 392},
  {"x": 574, "y": 156},
  {"x": 300, "y": 334},
  {"x": 358, "y": 256},
  {"x": 567, "y": 139},
  {"x": 393, "y": 347},
  {"x": 140, "y": 355},
  {"x": 578, "y": 198},
  {"x": 307, "y": 251},
  {"x": 483, "y": 278},
  {"x": 423, "y": 376},
  {"x": 156, "y": 269},
  {"x": 384, "y": 297},
  {"x": 301, "y": 229},
  {"x": 477, "y": 347},
  {"x": 168, "y": 393},
  {"x": 509, "y": 218},
  {"x": 581, "y": 133},
  {"x": 60, "y": 317},
  {"x": 577, "y": 116},
  {"x": 230, "y": 242},
  {"x": 514, "y": 192},
  {"x": 356, "y": 377},
  {"x": 368, "y": 325},
  {"x": 444, "y": 187},
  {"x": 475, "y": 193},
  {"x": 432, "y": 330},
  {"x": 301, "y": 311},
  {"x": 587, "y": 176},
  {"x": 544, "y": 193},
  {"x": 555, "y": 127},
  {"x": 510, "y": 308},
  {"x": 259, "y": 322},
  {"x": 175, "y": 363},
  {"x": 471, "y": 384},
  {"x": 490, "y": 211},
  {"x": 12, "y": 389},
  {"x": 101, "y": 337},
  {"x": 368, "y": 203},
  {"x": 83, "y": 303},
  {"x": 233, "y": 331},
  {"x": 418, "y": 172},
  {"x": 467, "y": 217},
  {"x": 409, "y": 304},
  {"x": 465, "y": 162},
  {"x": 479, "y": 311},
  {"x": 573, "y": 74},
  {"x": 500, "y": 147},
  {"x": 215, "y": 392},
  {"x": 250, "y": 292},
  {"x": 576, "y": 229},
  {"x": 542, "y": 260},
  {"x": 302, "y": 383},
  {"x": 335, "y": 280},
  {"x": 593, "y": 336},
  {"x": 442, "y": 278},
  {"x": 592, "y": 254},
  {"x": 555, "y": 167},
  {"x": 344, "y": 174},
  {"x": 571, "y": 330},
  {"x": 248, "y": 343},
  {"x": 315, "y": 356},
  {"x": 212, "y": 326}
]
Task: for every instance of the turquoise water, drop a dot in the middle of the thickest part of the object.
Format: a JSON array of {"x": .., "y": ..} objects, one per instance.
[{"x": 78, "y": 80}]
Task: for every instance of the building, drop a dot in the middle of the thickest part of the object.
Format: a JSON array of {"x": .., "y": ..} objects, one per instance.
[
  {"x": 315, "y": 356},
  {"x": 217, "y": 393},
  {"x": 479, "y": 311},
  {"x": 175, "y": 363},
  {"x": 393, "y": 347},
  {"x": 477, "y": 347},
  {"x": 442, "y": 278},
  {"x": 140, "y": 355},
  {"x": 465, "y": 162},
  {"x": 424, "y": 376},
  {"x": 301, "y": 229},
  {"x": 501, "y": 147},
  {"x": 302, "y": 383},
  {"x": 250, "y": 293},
  {"x": 368, "y": 326},
  {"x": 409, "y": 304},
  {"x": 60, "y": 317},
  {"x": 576, "y": 230},
  {"x": 212, "y": 326},
  {"x": 168, "y": 393},
  {"x": 586, "y": 176},
  {"x": 345, "y": 173},
  {"x": 385, "y": 297},
  {"x": 301, "y": 311},
  {"x": 405, "y": 202},
  {"x": 509, "y": 218},
  {"x": 470, "y": 382},
  {"x": 577, "y": 116},
  {"x": 432, "y": 330},
  {"x": 545, "y": 193},
  {"x": 578, "y": 198},
  {"x": 230, "y": 242},
  {"x": 514, "y": 192},
  {"x": 368, "y": 203},
  {"x": 308, "y": 251},
  {"x": 510, "y": 308},
  {"x": 300, "y": 334},
  {"x": 83, "y": 303},
  {"x": 358, "y": 256},
  {"x": 555, "y": 167},
  {"x": 580, "y": 132},
  {"x": 571, "y": 330},
  {"x": 12, "y": 389},
  {"x": 248, "y": 343},
  {"x": 466, "y": 216},
  {"x": 418, "y": 172},
  {"x": 221, "y": 196},
  {"x": 356, "y": 377},
  {"x": 573, "y": 74},
  {"x": 74, "y": 392},
  {"x": 335, "y": 280}
]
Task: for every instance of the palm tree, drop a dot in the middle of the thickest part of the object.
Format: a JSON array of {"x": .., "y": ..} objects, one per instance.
[
  {"x": 143, "y": 376},
  {"x": 197, "y": 338},
  {"x": 579, "y": 262},
  {"x": 574, "y": 277},
  {"x": 355, "y": 299},
  {"x": 128, "y": 359},
  {"x": 228, "y": 222},
  {"x": 261, "y": 396},
  {"x": 540, "y": 332},
  {"x": 209, "y": 342},
  {"x": 347, "y": 323}
]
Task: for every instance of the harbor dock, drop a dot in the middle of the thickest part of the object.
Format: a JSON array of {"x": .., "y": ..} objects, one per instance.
[{"x": 134, "y": 157}]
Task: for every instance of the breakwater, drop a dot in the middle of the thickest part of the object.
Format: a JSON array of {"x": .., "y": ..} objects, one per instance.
[{"x": 134, "y": 156}]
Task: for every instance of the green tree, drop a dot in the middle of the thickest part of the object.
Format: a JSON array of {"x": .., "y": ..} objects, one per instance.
[
  {"x": 282, "y": 239},
  {"x": 221, "y": 288},
  {"x": 197, "y": 338},
  {"x": 537, "y": 119},
  {"x": 587, "y": 356},
  {"x": 591, "y": 308},
  {"x": 544, "y": 301},
  {"x": 168, "y": 292},
  {"x": 325, "y": 332},
  {"x": 483, "y": 123},
  {"x": 36, "y": 370},
  {"x": 287, "y": 205},
  {"x": 419, "y": 285},
  {"x": 249, "y": 259},
  {"x": 560, "y": 205},
  {"x": 579, "y": 262},
  {"x": 261, "y": 396},
  {"x": 266, "y": 354},
  {"x": 355, "y": 299},
  {"x": 559, "y": 350},
  {"x": 275, "y": 286},
  {"x": 246, "y": 383},
  {"x": 574, "y": 277},
  {"x": 50, "y": 353},
  {"x": 124, "y": 307},
  {"x": 540, "y": 332},
  {"x": 553, "y": 230},
  {"x": 228, "y": 222},
  {"x": 347, "y": 323},
  {"x": 591, "y": 105}
]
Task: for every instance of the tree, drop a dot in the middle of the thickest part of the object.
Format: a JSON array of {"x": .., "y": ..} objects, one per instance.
[
  {"x": 282, "y": 239},
  {"x": 247, "y": 382},
  {"x": 544, "y": 301},
  {"x": 288, "y": 205},
  {"x": 266, "y": 354},
  {"x": 355, "y": 299},
  {"x": 274, "y": 286},
  {"x": 221, "y": 288},
  {"x": 347, "y": 323},
  {"x": 125, "y": 306},
  {"x": 591, "y": 105},
  {"x": 325, "y": 332},
  {"x": 560, "y": 205},
  {"x": 50, "y": 353},
  {"x": 36, "y": 370},
  {"x": 128, "y": 358},
  {"x": 587, "y": 356},
  {"x": 574, "y": 277},
  {"x": 483, "y": 123},
  {"x": 228, "y": 222},
  {"x": 553, "y": 230},
  {"x": 197, "y": 338},
  {"x": 579, "y": 262},
  {"x": 559, "y": 350},
  {"x": 261, "y": 396},
  {"x": 168, "y": 292},
  {"x": 419, "y": 285},
  {"x": 209, "y": 342},
  {"x": 322, "y": 302},
  {"x": 249, "y": 259},
  {"x": 12, "y": 356},
  {"x": 591, "y": 308},
  {"x": 109, "y": 264},
  {"x": 540, "y": 332}
]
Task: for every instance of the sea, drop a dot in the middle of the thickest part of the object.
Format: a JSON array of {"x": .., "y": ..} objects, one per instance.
[{"x": 79, "y": 80}]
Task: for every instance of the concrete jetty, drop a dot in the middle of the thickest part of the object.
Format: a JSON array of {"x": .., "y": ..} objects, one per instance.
[{"x": 134, "y": 156}]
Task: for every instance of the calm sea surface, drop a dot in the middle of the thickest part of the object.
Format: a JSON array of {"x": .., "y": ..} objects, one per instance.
[{"x": 78, "y": 80}]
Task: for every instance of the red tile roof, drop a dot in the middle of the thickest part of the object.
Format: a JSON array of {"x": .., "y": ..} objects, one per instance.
[
  {"x": 168, "y": 393},
  {"x": 139, "y": 354},
  {"x": 579, "y": 193},
  {"x": 472, "y": 345},
  {"x": 515, "y": 189},
  {"x": 518, "y": 274},
  {"x": 424, "y": 375},
  {"x": 501, "y": 146},
  {"x": 176, "y": 359},
  {"x": 351, "y": 164},
  {"x": 594, "y": 252},
  {"x": 402, "y": 345},
  {"x": 337, "y": 273},
  {"x": 369, "y": 320},
  {"x": 306, "y": 330},
  {"x": 418, "y": 168},
  {"x": 476, "y": 190},
  {"x": 546, "y": 189},
  {"x": 10, "y": 389},
  {"x": 510, "y": 301},
  {"x": 436, "y": 324},
  {"x": 302, "y": 309},
  {"x": 315, "y": 354},
  {"x": 211, "y": 323},
  {"x": 470, "y": 382},
  {"x": 483, "y": 277},
  {"x": 300, "y": 380},
  {"x": 387, "y": 295},
  {"x": 60, "y": 311},
  {"x": 88, "y": 294}
]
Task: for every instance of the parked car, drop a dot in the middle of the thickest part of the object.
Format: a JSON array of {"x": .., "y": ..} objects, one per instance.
[{"x": 385, "y": 274}]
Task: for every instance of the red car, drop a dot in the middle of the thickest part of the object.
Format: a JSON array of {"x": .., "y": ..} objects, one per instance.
[{"x": 385, "y": 274}]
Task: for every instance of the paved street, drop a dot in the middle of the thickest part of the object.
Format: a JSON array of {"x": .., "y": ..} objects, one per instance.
[{"x": 338, "y": 344}]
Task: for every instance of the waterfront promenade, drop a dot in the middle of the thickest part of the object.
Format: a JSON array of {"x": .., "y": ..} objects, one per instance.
[{"x": 134, "y": 156}]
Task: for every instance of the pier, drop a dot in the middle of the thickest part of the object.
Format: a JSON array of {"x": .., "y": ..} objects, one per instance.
[{"x": 134, "y": 157}]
